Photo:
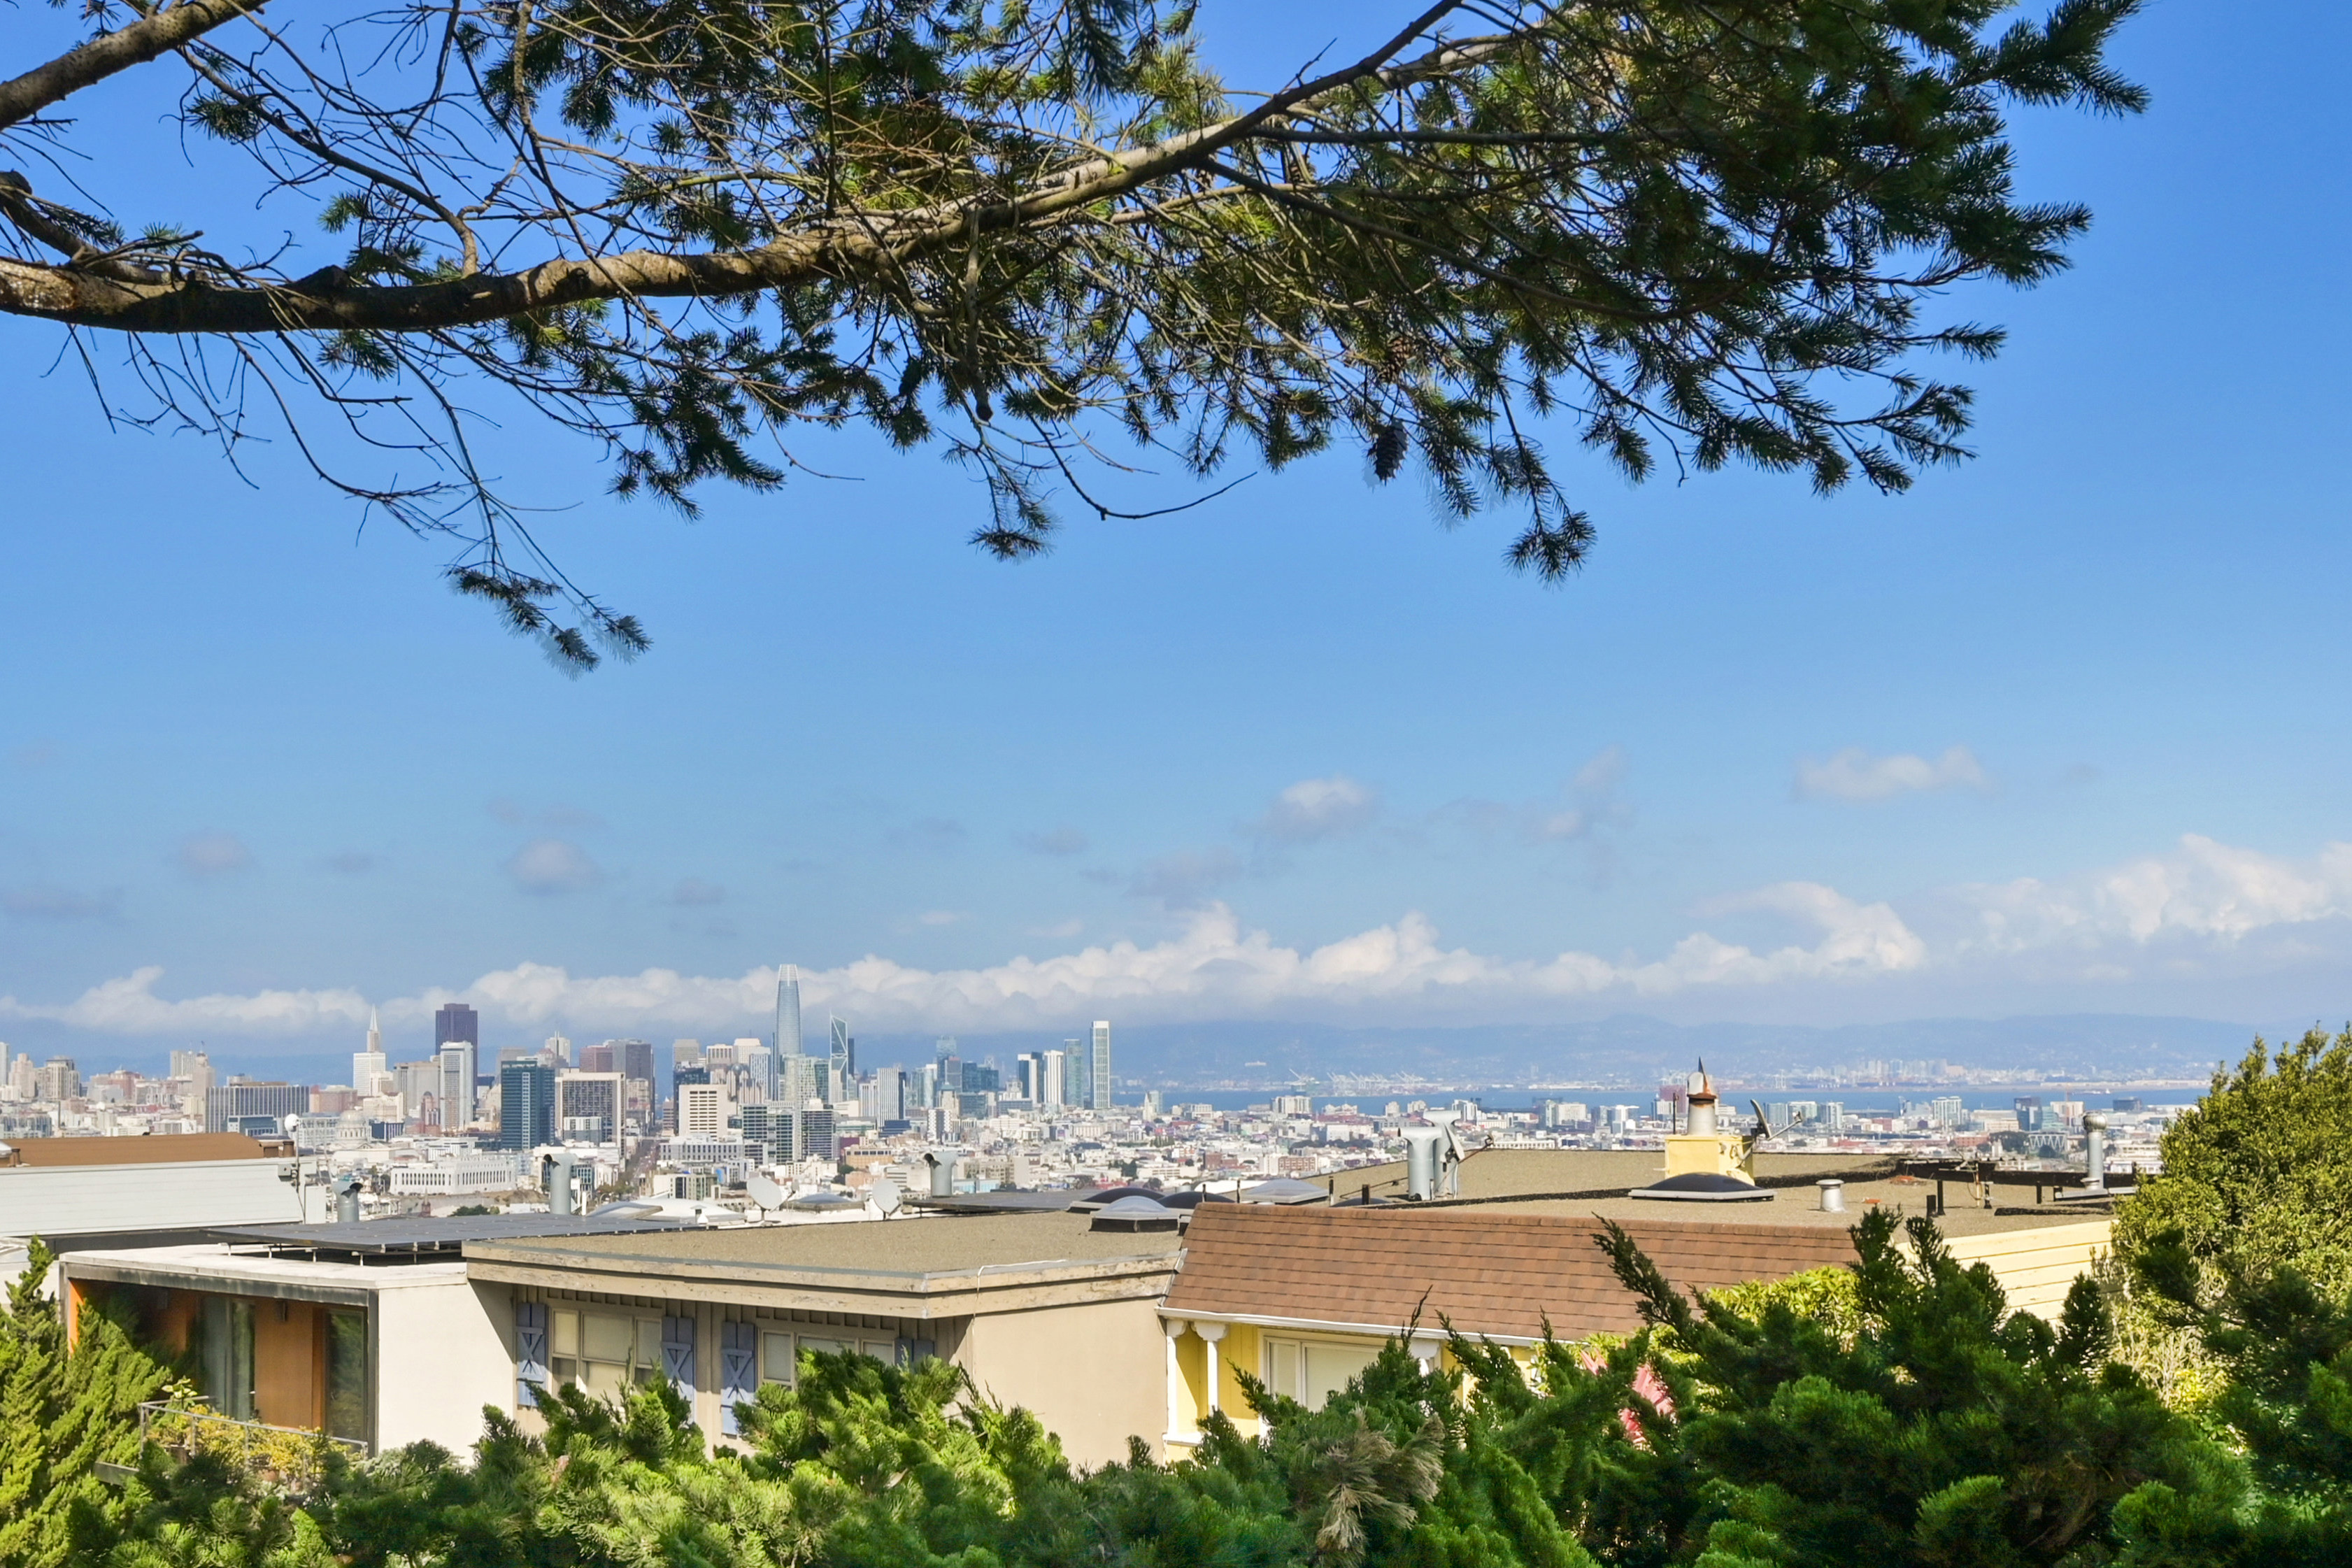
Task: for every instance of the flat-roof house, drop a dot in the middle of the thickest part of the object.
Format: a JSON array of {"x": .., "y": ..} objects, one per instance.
[
  {"x": 390, "y": 1331},
  {"x": 1304, "y": 1297},
  {"x": 370, "y": 1332},
  {"x": 114, "y": 1192},
  {"x": 1043, "y": 1310}
]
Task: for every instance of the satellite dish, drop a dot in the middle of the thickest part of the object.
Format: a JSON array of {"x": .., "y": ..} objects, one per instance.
[
  {"x": 764, "y": 1192},
  {"x": 884, "y": 1195},
  {"x": 292, "y": 1121}
]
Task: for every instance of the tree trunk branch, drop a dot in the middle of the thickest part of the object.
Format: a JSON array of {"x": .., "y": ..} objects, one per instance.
[{"x": 157, "y": 33}]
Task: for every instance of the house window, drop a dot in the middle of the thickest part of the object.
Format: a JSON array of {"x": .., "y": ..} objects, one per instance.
[
  {"x": 603, "y": 1353},
  {"x": 228, "y": 1355},
  {"x": 347, "y": 1377},
  {"x": 1312, "y": 1371},
  {"x": 778, "y": 1353}
]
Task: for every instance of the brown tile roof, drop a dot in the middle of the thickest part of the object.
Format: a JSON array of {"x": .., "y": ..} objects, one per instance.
[
  {"x": 1490, "y": 1273},
  {"x": 163, "y": 1149}
]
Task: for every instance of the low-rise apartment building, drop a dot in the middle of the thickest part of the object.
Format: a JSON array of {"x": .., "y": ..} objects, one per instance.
[
  {"x": 1043, "y": 1310},
  {"x": 1304, "y": 1297}
]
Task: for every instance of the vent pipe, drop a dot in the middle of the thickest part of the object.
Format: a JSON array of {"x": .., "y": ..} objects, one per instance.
[
  {"x": 1421, "y": 1154},
  {"x": 942, "y": 1163},
  {"x": 2095, "y": 1153},
  {"x": 346, "y": 1188},
  {"x": 556, "y": 1170},
  {"x": 1833, "y": 1193}
]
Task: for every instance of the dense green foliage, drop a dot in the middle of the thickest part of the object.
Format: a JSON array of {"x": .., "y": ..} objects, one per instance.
[
  {"x": 1671, "y": 234},
  {"x": 2258, "y": 1176},
  {"x": 61, "y": 1415}
]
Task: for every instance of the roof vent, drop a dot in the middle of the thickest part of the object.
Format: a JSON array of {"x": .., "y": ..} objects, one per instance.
[
  {"x": 1100, "y": 1198},
  {"x": 1704, "y": 1187},
  {"x": 1136, "y": 1214}
]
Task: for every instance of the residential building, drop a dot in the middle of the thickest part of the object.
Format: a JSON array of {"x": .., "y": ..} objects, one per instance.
[
  {"x": 1304, "y": 1297},
  {"x": 1043, "y": 1310},
  {"x": 58, "y": 1079},
  {"x": 526, "y": 1105},
  {"x": 370, "y": 1332},
  {"x": 814, "y": 1135},
  {"x": 109, "y": 1192}
]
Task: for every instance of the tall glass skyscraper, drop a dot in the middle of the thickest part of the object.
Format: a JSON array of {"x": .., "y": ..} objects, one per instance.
[
  {"x": 526, "y": 1105},
  {"x": 787, "y": 1010},
  {"x": 845, "y": 1058},
  {"x": 1099, "y": 1069}
]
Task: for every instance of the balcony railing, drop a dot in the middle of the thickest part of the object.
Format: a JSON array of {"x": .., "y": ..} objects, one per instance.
[{"x": 287, "y": 1458}]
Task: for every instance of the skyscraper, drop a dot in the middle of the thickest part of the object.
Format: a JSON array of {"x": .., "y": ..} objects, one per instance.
[
  {"x": 787, "y": 1010},
  {"x": 1056, "y": 1063},
  {"x": 526, "y": 1105},
  {"x": 457, "y": 1059},
  {"x": 1078, "y": 1075},
  {"x": 455, "y": 1024},
  {"x": 1098, "y": 1082},
  {"x": 845, "y": 1054},
  {"x": 368, "y": 1064}
]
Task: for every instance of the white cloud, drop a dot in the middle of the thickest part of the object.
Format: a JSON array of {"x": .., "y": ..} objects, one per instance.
[
  {"x": 552, "y": 866},
  {"x": 1855, "y": 774},
  {"x": 2202, "y": 898},
  {"x": 1317, "y": 808},
  {"x": 1213, "y": 969},
  {"x": 129, "y": 1006},
  {"x": 2203, "y": 889},
  {"x": 214, "y": 855}
]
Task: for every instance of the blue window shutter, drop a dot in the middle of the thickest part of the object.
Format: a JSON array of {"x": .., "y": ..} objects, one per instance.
[
  {"x": 738, "y": 1375},
  {"x": 677, "y": 1354},
  {"x": 530, "y": 1353}
]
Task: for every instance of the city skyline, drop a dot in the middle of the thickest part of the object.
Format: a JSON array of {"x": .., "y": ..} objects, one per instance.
[{"x": 2049, "y": 734}]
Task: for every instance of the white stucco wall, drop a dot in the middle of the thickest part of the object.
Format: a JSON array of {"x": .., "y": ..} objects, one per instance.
[{"x": 442, "y": 1354}]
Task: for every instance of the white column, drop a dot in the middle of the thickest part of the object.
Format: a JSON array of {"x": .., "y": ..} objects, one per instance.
[
  {"x": 1211, "y": 1333},
  {"x": 1174, "y": 1328},
  {"x": 1424, "y": 1350}
]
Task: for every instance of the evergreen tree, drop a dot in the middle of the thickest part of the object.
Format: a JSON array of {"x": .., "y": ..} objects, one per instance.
[
  {"x": 62, "y": 1412},
  {"x": 2258, "y": 1175}
]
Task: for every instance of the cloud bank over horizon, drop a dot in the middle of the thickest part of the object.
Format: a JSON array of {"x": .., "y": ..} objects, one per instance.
[{"x": 2203, "y": 901}]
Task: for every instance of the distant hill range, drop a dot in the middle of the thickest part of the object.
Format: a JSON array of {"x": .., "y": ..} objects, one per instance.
[{"x": 1629, "y": 1048}]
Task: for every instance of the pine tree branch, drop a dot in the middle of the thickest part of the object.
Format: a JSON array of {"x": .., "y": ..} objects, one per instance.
[{"x": 156, "y": 34}]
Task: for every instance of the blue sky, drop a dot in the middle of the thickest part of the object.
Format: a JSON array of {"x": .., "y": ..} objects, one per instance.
[{"x": 2061, "y": 730}]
